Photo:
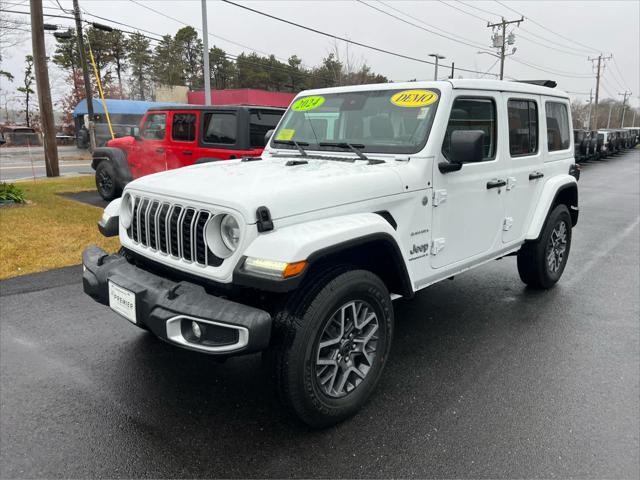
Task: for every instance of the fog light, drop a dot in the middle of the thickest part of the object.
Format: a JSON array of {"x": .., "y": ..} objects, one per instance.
[{"x": 196, "y": 330}]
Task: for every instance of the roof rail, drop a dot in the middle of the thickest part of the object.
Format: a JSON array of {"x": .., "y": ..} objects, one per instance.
[{"x": 542, "y": 83}]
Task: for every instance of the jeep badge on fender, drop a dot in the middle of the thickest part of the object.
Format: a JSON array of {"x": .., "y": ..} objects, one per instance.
[{"x": 300, "y": 252}]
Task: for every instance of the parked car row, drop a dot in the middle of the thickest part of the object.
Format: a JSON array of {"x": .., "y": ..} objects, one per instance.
[{"x": 597, "y": 144}]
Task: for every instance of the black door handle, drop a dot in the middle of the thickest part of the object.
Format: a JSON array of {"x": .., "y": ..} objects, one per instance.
[
  {"x": 496, "y": 184},
  {"x": 535, "y": 175},
  {"x": 159, "y": 150},
  {"x": 187, "y": 153}
]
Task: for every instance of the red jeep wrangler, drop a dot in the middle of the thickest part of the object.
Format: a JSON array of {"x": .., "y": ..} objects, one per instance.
[{"x": 174, "y": 137}]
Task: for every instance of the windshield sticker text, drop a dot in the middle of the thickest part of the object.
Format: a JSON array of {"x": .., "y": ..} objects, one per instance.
[
  {"x": 286, "y": 134},
  {"x": 414, "y": 98},
  {"x": 307, "y": 103}
]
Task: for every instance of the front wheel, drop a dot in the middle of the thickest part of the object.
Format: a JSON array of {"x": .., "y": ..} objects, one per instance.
[
  {"x": 106, "y": 181},
  {"x": 332, "y": 345},
  {"x": 541, "y": 263}
]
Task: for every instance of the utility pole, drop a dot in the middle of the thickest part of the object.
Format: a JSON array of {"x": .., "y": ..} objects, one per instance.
[
  {"x": 624, "y": 106},
  {"x": 44, "y": 90},
  {"x": 601, "y": 59},
  {"x": 205, "y": 43},
  {"x": 500, "y": 41},
  {"x": 609, "y": 119},
  {"x": 437, "y": 56},
  {"x": 590, "y": 108},
  {"x": 85, "y": 72},
  {"x": 453, "y": 64}
]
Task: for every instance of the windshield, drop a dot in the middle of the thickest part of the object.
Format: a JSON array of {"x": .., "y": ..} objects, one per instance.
[{"x": 382, "y": 121}]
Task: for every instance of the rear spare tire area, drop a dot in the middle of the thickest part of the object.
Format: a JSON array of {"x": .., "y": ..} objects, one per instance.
[{"x": 332, "y": 341}]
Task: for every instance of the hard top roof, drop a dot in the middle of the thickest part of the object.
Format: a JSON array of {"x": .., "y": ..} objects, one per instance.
[
  {"x": 462, "y": 83},
  {"x": 216, "y": 107}
]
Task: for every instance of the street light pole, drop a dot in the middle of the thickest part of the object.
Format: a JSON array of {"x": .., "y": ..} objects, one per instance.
[
  {"x": 205, "y": 43},
  {"x": 437, "y": 57}
]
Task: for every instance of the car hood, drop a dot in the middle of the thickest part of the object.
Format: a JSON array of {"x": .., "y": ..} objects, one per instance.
[{"x": 283, "y": 188}]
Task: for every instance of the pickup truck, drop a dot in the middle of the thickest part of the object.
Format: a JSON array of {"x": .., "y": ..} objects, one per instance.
[{"x": 174, "y": 137}]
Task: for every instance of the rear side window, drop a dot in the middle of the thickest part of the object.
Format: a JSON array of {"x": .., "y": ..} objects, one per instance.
[
  {"x": 523, "y": 127},
  {"x": 183, "y": 128},
  {"x": 473, "y": 114},
  {"x": 557, "y": 126},
  {"x": 154, "y": 126},
  {"x": 220, "y": 128},
  {"x": 260, "y": 122}
]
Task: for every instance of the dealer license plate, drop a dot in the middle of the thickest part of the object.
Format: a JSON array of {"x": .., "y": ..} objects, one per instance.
[{"x": 122, "y": 301}]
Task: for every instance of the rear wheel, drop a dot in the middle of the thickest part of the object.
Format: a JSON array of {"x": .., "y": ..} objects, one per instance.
[
  {"x": 106, "y": 181},
  {"x": 541, "y": 263},
  {"x": 331, "y": 347}
]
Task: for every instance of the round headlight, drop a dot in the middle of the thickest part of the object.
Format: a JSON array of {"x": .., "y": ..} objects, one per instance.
[
  {"x": 126, "y": 210},
  {"x": 230, "y": 232}
]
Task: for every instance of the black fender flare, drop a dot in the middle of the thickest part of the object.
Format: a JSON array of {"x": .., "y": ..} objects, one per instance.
[
  {"x": 380, "y": 246},
  {"x": 206, "y": 160},
  {"x": 118, "y": 159}
]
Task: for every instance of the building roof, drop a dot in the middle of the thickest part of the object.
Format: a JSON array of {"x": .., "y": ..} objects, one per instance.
[{"x": 119, "y": 107}]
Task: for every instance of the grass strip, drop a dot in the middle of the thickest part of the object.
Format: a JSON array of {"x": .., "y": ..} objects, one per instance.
[{"x": 49, "y": 231}]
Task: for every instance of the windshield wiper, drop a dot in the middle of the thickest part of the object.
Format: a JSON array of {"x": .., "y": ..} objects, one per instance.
[
  {"x": 296, "y": 144},
  {"x": 354, "y": 147}
]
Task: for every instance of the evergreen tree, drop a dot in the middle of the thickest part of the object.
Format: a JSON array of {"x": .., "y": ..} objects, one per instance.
[
  {"x": 139, "y": 58},
  {"x": 26, "y": 89}
]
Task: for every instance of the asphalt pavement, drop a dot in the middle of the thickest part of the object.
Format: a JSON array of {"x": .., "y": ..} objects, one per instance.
[
  {"x": 21, "y": 163},
  {"x": 486, "y": 378}
]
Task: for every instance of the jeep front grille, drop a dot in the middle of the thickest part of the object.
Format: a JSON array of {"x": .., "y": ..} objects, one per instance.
[{"x": 171, "y": 229}]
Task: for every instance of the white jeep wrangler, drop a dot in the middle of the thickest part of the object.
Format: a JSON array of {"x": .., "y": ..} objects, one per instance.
[{"x": 364, "y": 194}]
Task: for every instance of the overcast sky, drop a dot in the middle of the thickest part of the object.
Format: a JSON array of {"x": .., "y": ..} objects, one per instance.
[{"x": 610, "y": 27}]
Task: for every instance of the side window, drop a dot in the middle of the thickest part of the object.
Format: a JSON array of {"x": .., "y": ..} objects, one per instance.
[
  {"x": 220, "y": 128},
  {"x": 183, "y": 128},
  {"x": 260, "y": 122},
  {"x": 557, "y": 126},
  {"x": 473, "y": 114},
  {"x": 523, "y": 127},
  {"x": 155, "y": 126}
]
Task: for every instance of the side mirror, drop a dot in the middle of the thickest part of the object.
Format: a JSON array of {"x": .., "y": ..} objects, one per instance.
[
  {"x": 467, "y": 146},
  {"x": 267, "y": 136},
  {"x": 135, "y": 132}
]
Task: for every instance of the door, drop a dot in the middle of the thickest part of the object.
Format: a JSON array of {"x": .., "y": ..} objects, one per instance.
[
  {"x": 525, "y": 162},
  {"x": 151, "y": 146},
  {"x": 468, "y": 205},
  {"x": 182, "y": 148}
]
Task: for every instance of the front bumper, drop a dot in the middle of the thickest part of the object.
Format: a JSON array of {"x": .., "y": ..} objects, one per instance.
[{"x": 162, "y": 305}]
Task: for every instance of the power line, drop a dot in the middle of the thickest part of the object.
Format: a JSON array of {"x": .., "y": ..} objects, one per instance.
[
  {"x": 550, "y": 47},
  {"x": 482, "y": 9},
  {"x": 336, "y": 37},
  {"x": 158, "y": 12},
  {"x": 473, "y": 45},
  {"x": 463, "y": 11},
  {"x": 591, "y": 49},
  {"x": 554, "y": 72},
  {"x": 615, "y": 64}
]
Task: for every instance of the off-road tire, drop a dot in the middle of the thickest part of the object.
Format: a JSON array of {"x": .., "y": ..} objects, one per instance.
[
  {"x": 106, "y": 183},
  {"x": 298, "y": 327},
  {"x": 533, "y": 264}
]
